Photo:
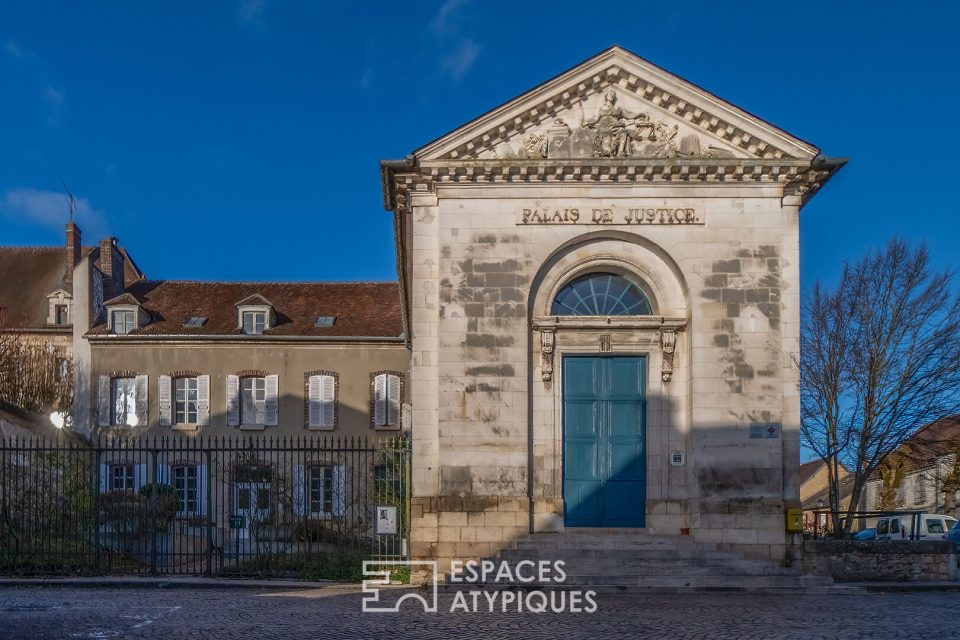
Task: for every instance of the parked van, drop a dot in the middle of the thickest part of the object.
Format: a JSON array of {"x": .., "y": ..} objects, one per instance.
[{"x": 932, "y": 527}]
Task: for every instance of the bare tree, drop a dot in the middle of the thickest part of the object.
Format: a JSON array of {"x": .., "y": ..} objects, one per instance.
[
  {"x": 34, "y": 374},
  {"x": 880, "y": 357}
]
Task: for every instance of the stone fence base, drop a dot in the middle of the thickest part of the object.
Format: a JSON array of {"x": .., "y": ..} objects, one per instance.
[{"x": 881, "y": 561}]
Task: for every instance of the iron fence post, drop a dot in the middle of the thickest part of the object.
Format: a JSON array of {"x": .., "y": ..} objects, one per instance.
[{"x": 208, "y": 499}]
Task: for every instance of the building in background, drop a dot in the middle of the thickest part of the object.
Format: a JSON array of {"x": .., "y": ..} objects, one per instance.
[
  {"x": 226, "y": 358},
  {"x": 922, "y": 475},
  {"x": 36, "y": 284}
]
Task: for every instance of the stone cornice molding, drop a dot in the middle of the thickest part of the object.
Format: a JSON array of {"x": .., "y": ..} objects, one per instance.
[{"x": 798, "y": 177}]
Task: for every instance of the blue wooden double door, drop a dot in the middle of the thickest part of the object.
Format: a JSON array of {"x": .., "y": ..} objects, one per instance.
[{"x": 604, "y": 441}]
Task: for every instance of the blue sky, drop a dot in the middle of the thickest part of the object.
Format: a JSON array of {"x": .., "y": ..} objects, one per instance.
[{"x": 240, "y": 140}]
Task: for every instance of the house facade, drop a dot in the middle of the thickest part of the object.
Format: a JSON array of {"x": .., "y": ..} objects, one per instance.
[
  {"x": 222, "y": 359},
  {"x": 264, "y": 407},
  {"x": 922, "y": 475},
  {"x": 601, "y": 284}
]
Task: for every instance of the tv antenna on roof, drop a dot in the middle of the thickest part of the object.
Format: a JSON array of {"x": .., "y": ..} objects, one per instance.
[{"x": 71, "y": 201}]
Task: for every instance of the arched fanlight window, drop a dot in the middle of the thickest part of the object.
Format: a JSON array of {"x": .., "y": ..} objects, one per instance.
[{"x": 601, "y": 294}]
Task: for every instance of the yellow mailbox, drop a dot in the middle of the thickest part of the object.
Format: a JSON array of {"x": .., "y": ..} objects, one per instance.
[{"x": 795, "y": 520}]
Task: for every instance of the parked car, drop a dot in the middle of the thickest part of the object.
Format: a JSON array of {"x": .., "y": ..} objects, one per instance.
[
  {"x": 932, "y": 527},
  {"x": 954, "y": 535},
  {"x": 866, "y": 534}
]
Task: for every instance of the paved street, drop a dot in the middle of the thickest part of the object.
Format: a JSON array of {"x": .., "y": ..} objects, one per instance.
[{"x": 68, "y": 613}]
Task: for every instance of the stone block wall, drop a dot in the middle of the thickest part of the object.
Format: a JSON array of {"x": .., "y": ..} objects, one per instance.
[{"x": 881, "y": 561}]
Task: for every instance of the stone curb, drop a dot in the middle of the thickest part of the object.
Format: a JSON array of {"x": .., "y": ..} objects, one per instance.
[
  {"x": 906, "y": 587},
  {"x": 173, "y": 583}
]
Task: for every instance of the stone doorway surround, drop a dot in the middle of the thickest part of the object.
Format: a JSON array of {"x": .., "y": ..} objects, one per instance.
[{"x": 660, "y": 337}]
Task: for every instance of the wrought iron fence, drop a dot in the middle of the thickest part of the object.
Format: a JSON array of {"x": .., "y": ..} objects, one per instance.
[{"x": 298, "y": 507}]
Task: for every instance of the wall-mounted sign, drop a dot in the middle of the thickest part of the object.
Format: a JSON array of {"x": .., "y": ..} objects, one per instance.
[
  {"x": 677, "y": 458},
  {"x": 765, "y": 430},
  {"x": 386, "y": 523}
]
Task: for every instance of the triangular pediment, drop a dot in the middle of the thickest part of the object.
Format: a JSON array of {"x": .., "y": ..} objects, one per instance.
[{"x": 616, "y": 105}]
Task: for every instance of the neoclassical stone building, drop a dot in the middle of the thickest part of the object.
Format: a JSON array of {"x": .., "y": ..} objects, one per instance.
[{"x": 600, "y": 282}]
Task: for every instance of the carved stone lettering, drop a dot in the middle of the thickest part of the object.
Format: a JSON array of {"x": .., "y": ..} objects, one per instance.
[{"x": 609, "y": 215}]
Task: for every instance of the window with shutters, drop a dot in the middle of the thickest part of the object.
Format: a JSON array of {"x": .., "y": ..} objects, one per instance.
[
  {"x": 123, "y": 395},
  {"x": 386, "y": 399},
  {"x": 123, "y": 321},
  {"x": 321, "y": 490},
  {"x": 321, "y": 390},
  {"x": 253, "y": 400},
  {"x": 254, "y": 322},
  {"x": 919, "y": 490},
  {"x": 121, "y": 477},
  {"x": 185, "y": 401},
  {"x": 185, "y": 484}
]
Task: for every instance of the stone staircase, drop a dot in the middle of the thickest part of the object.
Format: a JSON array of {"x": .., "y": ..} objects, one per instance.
[{"x": 627, "y": 559}]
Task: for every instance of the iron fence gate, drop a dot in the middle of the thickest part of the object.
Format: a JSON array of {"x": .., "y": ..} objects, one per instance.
[{"x": 296, "y": 507}]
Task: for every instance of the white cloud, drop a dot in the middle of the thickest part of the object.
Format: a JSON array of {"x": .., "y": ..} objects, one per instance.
[
  {"x": 14, "y": 50},
  {"x": 251, "y": 9},
  {"x": 461, "y": 59},
  {"x": 367, "y": 78},
  {"x": 47, "y": 209},
  {"x": 53, "y": 97},
  {"x": 441, "y": 21}
]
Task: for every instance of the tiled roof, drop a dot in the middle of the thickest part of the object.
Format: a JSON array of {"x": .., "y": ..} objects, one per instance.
[
  {"x": 362, "y": 309},
  {"x": 808, "y": 469},
  {"x": 27, "y": 275},
  {"x": 936, "y": 439}
]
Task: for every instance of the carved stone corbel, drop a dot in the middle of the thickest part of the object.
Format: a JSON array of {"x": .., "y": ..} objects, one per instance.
[
  {"x": 547, "y": 341},
  {"x": 668, "y": 341}
]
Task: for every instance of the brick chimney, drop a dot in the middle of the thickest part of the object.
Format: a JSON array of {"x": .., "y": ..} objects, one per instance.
[
  {"x": 111, "y": 265},
  {"x": 74, "y": 250}
]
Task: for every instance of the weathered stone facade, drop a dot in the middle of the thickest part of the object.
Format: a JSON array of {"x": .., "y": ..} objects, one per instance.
[{"x": 693, "y": 200}]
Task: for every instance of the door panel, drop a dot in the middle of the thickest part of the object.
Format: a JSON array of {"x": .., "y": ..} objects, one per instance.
[{"x": 604, "y": 453}]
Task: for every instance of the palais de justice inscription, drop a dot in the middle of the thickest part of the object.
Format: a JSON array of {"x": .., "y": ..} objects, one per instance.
[{"x": 610, "y": 215}]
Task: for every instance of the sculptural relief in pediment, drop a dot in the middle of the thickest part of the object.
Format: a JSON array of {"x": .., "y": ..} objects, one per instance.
[{"x": 611, "y": 125}]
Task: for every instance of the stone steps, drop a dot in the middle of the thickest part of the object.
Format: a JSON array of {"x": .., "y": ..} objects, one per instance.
[{"x": 615, "y": 559}]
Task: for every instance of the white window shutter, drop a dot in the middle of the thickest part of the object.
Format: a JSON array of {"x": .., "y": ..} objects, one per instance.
[
  {"x": 300, "y": 490},
  {"x": 339, "y": 491},
  {"x": 143, "y": 407},
  {"x": 203, "y": 400},
  {"x": 393, "y": 395},
  {"x": 328, "y": 400},
  {"x": 163, "y": 474},
  {"x": 272, "y": 387},
  {"x": 139, "y": 476},
  {"x": 104, "y": 478},
  {"x": 164, "y": 401},
  {"x": 233, "y": 401},
  {"x": 380, "y": 400},
  {"x": 103, "y": 402},
  {"x": 314, "y": 401},
  {"x": 202, "y": 489}
]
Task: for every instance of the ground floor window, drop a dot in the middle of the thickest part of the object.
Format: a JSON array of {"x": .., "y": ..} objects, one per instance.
[
  {"x": 121, "y": 477},
  {"x": 185, "y": 483},
  {"x": 321, "y": 490}
]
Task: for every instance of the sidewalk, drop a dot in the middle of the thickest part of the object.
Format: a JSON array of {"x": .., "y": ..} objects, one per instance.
[{"x": 192, "y": 582}]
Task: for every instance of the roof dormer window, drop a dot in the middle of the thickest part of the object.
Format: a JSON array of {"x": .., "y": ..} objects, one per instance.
[
  {"x": 254, "y": 322},
  {"x": 124, "y": 314},
  {"x": 255, "y": 315},
  {"x": 123, "y": 321}
]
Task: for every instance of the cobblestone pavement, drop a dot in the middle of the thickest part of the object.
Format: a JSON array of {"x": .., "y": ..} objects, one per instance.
[{"x": 335, "y": 612}]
